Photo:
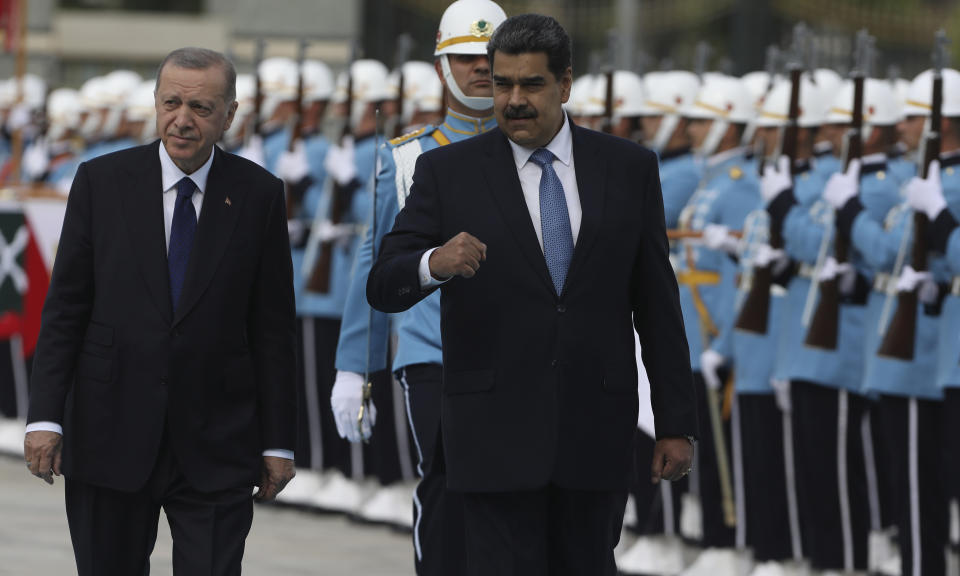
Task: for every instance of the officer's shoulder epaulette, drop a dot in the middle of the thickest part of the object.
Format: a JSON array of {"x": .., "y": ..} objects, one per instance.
[
  {"x": 409, "y": 136},
  {"x": 735, "y": 173}
]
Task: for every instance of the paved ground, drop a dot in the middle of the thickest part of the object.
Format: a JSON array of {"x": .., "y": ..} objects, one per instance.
[{"x": 34, "y": 538}]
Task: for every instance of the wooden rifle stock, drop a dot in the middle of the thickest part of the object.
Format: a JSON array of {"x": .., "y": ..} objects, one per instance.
[
  {"x": 755, "y": 312},
  {"x": 900, "y": 339},
  {"x": 825, "y": 324},
  {"x": 608, "y": 103},
  {"x": 341, "y": 195},
  {"x": 258, "y": 88}
]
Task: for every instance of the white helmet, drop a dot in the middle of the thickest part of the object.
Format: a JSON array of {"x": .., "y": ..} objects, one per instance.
[
  {"x": 370, "y": 84},
  {"x": 278, "y": 83},
  {"x": 900, "y": 88},
  {"x": 317, "y": 81},
  {"x": 117, "y": 86},
  {"x": 466, "y": 28},
  {"x": 667, "y": 95},
  {"x": 92, "y": 95},
  {"x": 579, "y": 103},
  {"x": 828, "y": 81},
  {"x": 63, "y": 112},
  {"x": 879, "y": 104},
  {"x": 758, "y": 84},
  {"x": 726, "y": 101},
  {"x": 628, "y": 94},
  {"x": 919, "y": 99},
  {"x": 422, "y": 90},
  {"x": 814, "y": 104},
  {"x": 141, "y": 108}
]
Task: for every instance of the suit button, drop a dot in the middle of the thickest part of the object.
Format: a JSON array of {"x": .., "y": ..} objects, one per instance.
[{"x": 561, "y": 308}]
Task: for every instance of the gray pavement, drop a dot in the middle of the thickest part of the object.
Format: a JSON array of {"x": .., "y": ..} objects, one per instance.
[{"x": 34, "y": 539}]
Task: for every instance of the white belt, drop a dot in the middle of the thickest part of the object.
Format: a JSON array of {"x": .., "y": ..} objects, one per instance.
[{"x": 955, "y": 288}]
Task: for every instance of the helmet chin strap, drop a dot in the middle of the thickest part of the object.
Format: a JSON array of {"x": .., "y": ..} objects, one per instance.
[
  {"x": 477, "y": 103},
  {"x": 668, "y": 124},
  {"x": 713, "y": 138}
]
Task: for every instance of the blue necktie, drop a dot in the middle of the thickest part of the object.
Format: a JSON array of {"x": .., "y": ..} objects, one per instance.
[
  {"x": 182, "y": 230},
  {"x": 554, "y": 219}
]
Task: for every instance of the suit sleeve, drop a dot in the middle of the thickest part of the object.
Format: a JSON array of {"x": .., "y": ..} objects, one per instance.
[
  {"x": 66, "y": 310},
  {"x": 394, "y": 283},
  {"x": 659, "y": 323},
  {"x": 272, "y": 331}
]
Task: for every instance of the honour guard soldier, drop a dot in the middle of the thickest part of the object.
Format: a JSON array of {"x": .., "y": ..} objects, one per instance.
[
  {"x": 462, "y": 64},
  {"x": 717, "y": 119},
  {"x": 835, "y": 390},
  {"x": 665, "y": 96},
  {"x": 240, "y": 130}
]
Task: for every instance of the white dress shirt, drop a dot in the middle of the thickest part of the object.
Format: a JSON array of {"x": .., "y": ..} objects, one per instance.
[
  {"x": 530, "y": 172},
  {"x": 171, "y": 174}
]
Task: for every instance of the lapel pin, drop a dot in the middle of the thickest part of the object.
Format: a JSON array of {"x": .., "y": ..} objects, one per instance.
[{"x": 228, "y": 202}]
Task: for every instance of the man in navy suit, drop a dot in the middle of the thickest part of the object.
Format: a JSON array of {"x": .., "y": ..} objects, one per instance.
[
  {"x": 164, "y": 370},
  {"x": 548, "y": 243}
]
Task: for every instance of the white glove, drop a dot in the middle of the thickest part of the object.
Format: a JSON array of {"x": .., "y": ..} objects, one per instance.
[
  {"x": 926, "y": 195},
  {"x": 36, "y": 160},
  {"x": 782, "y": 390},
  {"x": 20, "y": 117},
  {"x": 841, "y": 187},
  {"x": 710, "y": 363},
  {"x": 775, "y": 179},
  {"x": 911, "y": 280},
  {"x": 327, "y": 231},
  {"x": 293, "y": 166},
  {"x": 845, "y": 274},
  {"x": 253, "y": 151},
  {"x": 717, "y": 237},
  {"x": 340, "y": 162},
  {"x": 345, "y": 400},
  {"x": 767, "y": 255}
]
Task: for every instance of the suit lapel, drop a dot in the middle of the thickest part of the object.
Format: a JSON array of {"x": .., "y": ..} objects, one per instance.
[
  {"x": 504, "y": 184},
  {"x": 591, "y": 183},
  {"x": 217, "y": 222},
  {"x": 143, "y": 214}
]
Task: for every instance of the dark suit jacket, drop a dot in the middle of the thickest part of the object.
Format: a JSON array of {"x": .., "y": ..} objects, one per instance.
[
  {"x": 541, "y": 387},
  {"x": 117, "y": 367}
]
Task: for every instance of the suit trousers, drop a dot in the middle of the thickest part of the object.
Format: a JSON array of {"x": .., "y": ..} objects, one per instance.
[
  {"x": 550, "y": 531},
  {"x": 113, "y": 532},
  {"x": 437, "y": 512}
]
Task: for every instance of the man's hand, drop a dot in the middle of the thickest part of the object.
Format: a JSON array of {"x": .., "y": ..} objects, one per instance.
[
  {"x": 277, "y": 472},
  {"x": 41, "y": 450},
  {"x": 346, "y": 398},
  {"x": 460, "y": 256},
  {"x": 710, "y": 363},
  {"x": 775, "y": 179},
  {"x": 672, "y": 458}
]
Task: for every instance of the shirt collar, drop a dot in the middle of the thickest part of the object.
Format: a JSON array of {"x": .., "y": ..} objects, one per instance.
[
  {"x": 171, "y": 173},
  {"x": 561, "y": 146},
  {"x": 461, "y": 124}
]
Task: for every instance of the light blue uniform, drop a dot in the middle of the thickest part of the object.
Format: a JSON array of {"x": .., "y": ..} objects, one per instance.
[
  {"x": 728, "y": 192},
  {"x": 879, "y": 242},
  {"x": 679, "y": 178},
  {"x": 417, "y": 329},
  {"x": 948, "y": 347}
]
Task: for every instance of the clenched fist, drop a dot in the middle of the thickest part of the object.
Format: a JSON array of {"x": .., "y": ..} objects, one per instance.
[{"x": 460, "y": 256}]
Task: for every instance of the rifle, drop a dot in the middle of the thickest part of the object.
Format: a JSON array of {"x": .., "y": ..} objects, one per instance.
[
  {"x": 339, "y": 201},
  {"x": 825, "y": 324},
  {"x": 296, "y": 190},
  {"x": 900, "y": 340},
  {"x": 701, "y": 56},
  {"x": 258, "y": 90},
  {"x": 404, "y": 46},
  {"x": 755, "y": 312},
  {"x": 608, "y": 72}
]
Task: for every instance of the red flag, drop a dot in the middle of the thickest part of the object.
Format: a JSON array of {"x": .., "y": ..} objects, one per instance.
[{"x": 23, "y": 281}]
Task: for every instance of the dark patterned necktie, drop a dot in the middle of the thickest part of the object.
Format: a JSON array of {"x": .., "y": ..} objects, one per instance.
[
  {"x": 554, "y": 219},
  {"x": 182, "y": 230}
]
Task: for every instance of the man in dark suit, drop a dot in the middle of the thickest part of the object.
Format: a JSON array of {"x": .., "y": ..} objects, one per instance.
[
  {"x": 166, "y": 353},
  {"x": 549, "y": 243}
]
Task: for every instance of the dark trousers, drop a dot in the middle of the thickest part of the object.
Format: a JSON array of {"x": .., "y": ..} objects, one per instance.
[
  {"x": 438, "y": 532},
  {"x": 833, "y": 499},
  {"x": 951, "y": 446},
  {"x": 716, "y": 533},
  {"x": 550, "y": 531},
  {"x": 114, "y": 532},
  {"x": 653, "y": 512},
  {"x": 764, "y": 477},
  {"x": 912, "y": 439}
]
